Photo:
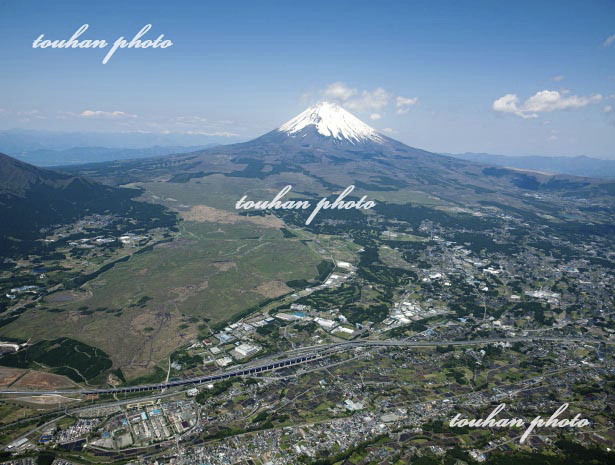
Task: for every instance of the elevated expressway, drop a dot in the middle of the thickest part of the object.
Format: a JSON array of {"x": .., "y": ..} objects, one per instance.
[{"x": 298, "y": 357}]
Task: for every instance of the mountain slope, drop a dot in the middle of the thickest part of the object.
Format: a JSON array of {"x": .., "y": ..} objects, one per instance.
[
  {"x": 33, "y": 198},
  {"x": 327, "y": 143},
  {"x": 331, "y": 120},
  {"x": 17, "y": 177}
]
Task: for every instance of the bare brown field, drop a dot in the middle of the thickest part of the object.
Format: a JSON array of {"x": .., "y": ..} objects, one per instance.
[
  {"x": 65, "y": 296},
  {"x": 272, "y": 289},
  {"x": 9, "y": 375},
  {"x": 41, "y": 380},
  {"x": 53, "y": 399},
  {"x": 202, "y": 213}
]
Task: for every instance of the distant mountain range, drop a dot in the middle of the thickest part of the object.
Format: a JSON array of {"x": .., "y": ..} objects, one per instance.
[
  {"x": 577, "y": 166},
  {"x": 15, "y": 140},
  {"x": 328, "y": 144},
  {"x": 80, "y": 155},
  {"x": 325, "y": 148},
  {"x": 51, "y": 148},
  {"x": 325, "y": 125}
]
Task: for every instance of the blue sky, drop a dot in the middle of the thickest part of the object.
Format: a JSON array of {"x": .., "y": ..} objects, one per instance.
[{"x": 502, "y": 77}]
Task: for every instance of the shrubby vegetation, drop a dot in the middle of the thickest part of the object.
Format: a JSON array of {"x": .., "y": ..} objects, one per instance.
[{"x": 76, "y": 360}]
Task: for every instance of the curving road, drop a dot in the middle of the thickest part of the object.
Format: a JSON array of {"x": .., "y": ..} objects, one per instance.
[{"x": 311, "y": 354}]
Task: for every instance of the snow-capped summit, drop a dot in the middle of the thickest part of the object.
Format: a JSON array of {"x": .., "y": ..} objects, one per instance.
[
  {"x": 322, "y": 131},
  {"x": 331, "y": 120}
]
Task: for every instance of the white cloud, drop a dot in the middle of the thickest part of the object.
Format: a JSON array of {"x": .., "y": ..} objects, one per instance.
[
  {"x": 403, "y": 104},
  {"x": 542, "y": 102},
  {"x": 551, "y": 100},
  {"x": 65, "y": 114},
  {"x": 388, "y": 130},
  {"x": 552, "y": 137},
  {"x": 403, "y": 101},
  {"x": 215, "y": 133},
  {"x": 608, "y": 109},
  {"x": 191, "y": 120},
  {"x": 364, "y": 101},
  {"x": 370, "y": 101},
  {"x": 199, "y": 125},
  {"x": 149, "y": 124},
  {"x": 30, "y": 114},
  {"x": 509, "y": 103},
  {"x": 338, "y": 91},
  {"x": 558, "y": 78},
  {"x": 193, "y": 133},
  {"x": 106, "y": 114},
  {"x": 610, "y": 40}
]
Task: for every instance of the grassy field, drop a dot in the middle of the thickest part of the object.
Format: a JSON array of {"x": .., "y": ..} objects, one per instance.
[
  {"x": 219, "y": 265},
  {"x": 144, "y": 308},
  {"x": 221, "y": 192}
]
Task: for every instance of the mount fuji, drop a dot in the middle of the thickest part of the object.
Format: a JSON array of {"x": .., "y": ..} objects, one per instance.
[
  {"x": 329, "y": 145},
  {"x": 330, "y": 120},
  {"x": 327, "y": 126}
]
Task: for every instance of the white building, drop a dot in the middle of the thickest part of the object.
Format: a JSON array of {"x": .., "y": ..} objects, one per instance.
[
  {"x": 246, "y": 350},
  {"x": 325, "y": 323},
  {"x": 224, "y": 361}
]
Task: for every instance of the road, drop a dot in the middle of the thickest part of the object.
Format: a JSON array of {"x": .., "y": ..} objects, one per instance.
[{"x": 305, "y": 355}]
